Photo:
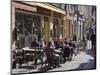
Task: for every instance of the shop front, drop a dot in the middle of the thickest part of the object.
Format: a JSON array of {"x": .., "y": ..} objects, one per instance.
[
  {"x": 28, "y": 27},
  {"x": 68, "y": 26},
  {"x": 25, "y": 24},
  {"x": 57, "y": 26},
  {"x": 39, "y": 23}
]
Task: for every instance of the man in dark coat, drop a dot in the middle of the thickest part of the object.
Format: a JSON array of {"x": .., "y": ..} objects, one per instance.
[
  {"x": 93, "y": 40},
  {"x": 34, "y": 44}
]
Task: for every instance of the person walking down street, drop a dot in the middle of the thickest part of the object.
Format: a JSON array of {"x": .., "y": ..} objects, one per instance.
[
  {"x": 89, "y": 43},
  {"x": 93, "y": 40}
]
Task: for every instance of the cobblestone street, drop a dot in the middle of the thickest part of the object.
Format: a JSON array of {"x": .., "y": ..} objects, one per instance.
[
  {"x": 52, "y": 37},
  {"x": 81, "y": 61},
  {"x": 84, "y": 60}
]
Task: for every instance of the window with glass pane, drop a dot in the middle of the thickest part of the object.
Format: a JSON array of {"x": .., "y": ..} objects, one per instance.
[{"x": 28, "y": 23}]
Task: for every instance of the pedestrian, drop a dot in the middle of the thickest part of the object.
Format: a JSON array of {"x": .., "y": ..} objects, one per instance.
[
  {"x": 89, "y": 43},
  {"x": 93, "y": 40}
]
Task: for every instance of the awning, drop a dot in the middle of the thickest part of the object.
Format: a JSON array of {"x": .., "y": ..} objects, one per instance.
[
  {"x": 24, "y": 7},
  {"x": 47, "y": 6}
]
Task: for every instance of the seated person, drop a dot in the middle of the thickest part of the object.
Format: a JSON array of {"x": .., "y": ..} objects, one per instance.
[
  {"x": 50, "y": 53},
  {"x": 56, "y": 44},
  {"x": 34, "y": 44}
]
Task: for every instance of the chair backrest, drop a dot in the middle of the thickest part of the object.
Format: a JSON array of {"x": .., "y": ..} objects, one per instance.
[
  {"x": 39, "y": 53},
  {"x": 19, "y": 52}
]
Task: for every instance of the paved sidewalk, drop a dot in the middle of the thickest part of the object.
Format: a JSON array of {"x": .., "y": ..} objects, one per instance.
[{"x": 84, "y": 60}]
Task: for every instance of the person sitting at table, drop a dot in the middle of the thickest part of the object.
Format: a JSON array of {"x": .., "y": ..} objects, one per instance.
[
  {"x": 61, "y": 47},
  {"x": 34, "y": 43},
  {"x": 66, "y": 50},
  {"x": 61, "y": 44},
  {"x": 51, "y": 58},
  {"x": 49, "y": 53},
  {"x": 56, "y": 44}
]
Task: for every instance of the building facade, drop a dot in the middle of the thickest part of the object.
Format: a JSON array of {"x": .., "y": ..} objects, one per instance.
[
  {"x": 37, "y": 20},
  {"x": 49, "y": 21}
]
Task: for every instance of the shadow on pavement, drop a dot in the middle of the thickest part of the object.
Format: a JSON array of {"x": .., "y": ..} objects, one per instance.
[
  {"x": 46, "y": 68},
  {"x": 90, "y": 52},
  {"x": 86, "y": 66}
]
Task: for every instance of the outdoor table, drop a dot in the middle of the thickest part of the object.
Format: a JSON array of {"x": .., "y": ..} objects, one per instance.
[
  {"x": 37, "y": 51},
  {"x": 28, "y": 53},
  {"x": 28, "y": 49},
  {"x": 58, "y": 51},
  {"x": 57, "y": 55}
]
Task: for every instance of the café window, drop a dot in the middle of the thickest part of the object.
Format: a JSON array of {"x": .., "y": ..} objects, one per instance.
[
  {"x": 36, "y": 26},
  {"x": 26, "y": 23},
  {"x": 19, "y": 23}
]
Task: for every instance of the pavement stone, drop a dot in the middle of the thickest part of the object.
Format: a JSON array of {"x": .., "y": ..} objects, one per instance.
[{"x": 81, "y": 62}]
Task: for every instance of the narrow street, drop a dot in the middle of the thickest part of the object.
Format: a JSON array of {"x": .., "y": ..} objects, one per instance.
[
  {"x": 50, "y": 37},
  {"x": 84, "y": 60}
]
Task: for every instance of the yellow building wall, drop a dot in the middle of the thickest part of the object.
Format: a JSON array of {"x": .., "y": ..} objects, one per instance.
[
  {"x": 68, "y": 28},
  {"x": 46, "y": 30}
]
